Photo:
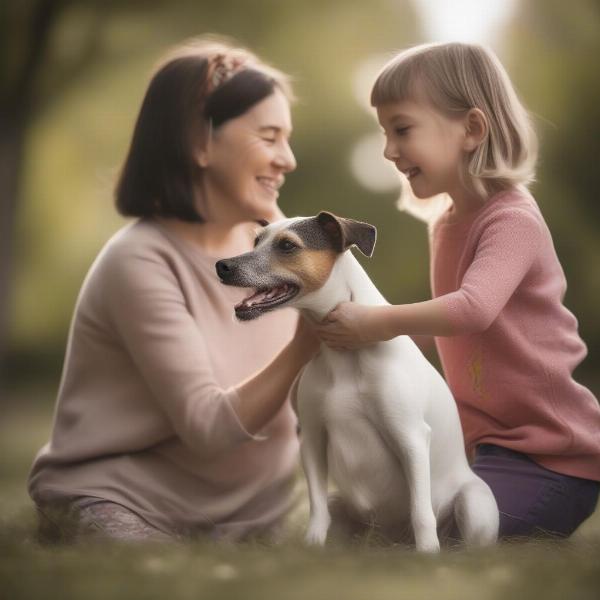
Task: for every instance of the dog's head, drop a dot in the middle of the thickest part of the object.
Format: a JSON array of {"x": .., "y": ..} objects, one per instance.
[{"x": 292, "y": 258}]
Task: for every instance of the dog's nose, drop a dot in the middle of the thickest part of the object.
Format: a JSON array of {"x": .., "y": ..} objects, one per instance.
[{"x": 224, "y": 269}]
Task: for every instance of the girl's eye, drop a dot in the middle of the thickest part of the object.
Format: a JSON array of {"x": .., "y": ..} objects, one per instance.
[
  {"x": 402, "y": 130},
  {"x": 286, "y": 245}
]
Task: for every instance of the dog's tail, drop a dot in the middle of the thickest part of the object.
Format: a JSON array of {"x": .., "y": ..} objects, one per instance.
[{"x": 476, "y": 513}]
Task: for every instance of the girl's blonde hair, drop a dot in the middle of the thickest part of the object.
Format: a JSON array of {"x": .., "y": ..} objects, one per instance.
[{"x": 456, "y": 77}]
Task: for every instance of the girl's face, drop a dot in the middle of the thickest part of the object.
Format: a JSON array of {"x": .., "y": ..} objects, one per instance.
[
  {"x": 246, "y": 161},
  {"x": 425, "y": 145}
]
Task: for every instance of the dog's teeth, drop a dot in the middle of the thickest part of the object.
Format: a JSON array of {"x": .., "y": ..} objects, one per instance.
[
  {"x": 262, "y": 296},
  {"x": 278, "y": 291}
]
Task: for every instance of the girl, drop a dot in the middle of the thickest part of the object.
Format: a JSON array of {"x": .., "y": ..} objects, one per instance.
[
  {"x": 454, "y": 125},
  {"x": 171, "y": 420}
]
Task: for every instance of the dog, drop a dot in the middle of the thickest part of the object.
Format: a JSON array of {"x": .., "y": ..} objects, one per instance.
[{"x": 380, "y": 420}]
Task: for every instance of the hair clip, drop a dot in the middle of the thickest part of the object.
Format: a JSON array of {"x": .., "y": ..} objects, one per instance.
[{"x": 223, "y": 69}]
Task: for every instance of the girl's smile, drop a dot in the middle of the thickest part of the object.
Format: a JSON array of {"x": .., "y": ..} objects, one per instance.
[{"x": 410, "y": 173}]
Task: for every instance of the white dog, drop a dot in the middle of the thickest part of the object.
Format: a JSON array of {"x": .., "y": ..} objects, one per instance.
[{"x": 380, "y": 420}]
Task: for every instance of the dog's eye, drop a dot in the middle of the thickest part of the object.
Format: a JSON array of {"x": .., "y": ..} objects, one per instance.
[
  {"x": 256, "y": 240},
  {"x": 286, "y": 245}
]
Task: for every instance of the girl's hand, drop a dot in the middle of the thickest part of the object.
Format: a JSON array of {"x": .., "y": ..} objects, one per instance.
[{"x": 350, "y": 326}]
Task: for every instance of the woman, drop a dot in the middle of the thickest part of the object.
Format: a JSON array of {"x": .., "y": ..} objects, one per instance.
[{"x": 171, "y": 417}]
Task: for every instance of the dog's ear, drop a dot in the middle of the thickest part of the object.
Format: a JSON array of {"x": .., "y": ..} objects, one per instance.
[{"x": 347, "y": 232}]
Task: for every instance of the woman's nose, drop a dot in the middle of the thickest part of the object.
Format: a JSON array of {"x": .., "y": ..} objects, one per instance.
[{"x": 285, "y": 158}]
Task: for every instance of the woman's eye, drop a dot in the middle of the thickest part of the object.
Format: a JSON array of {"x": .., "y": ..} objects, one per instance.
[
  {"x": 402, "y": 130},
  {"x": 286, "y": 245},
  {"x": 269, "y": 140}
]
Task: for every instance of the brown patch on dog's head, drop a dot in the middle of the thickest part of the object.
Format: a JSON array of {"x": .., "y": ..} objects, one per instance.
[
  {"x": 309, "y": 248},
  {"x": 298, "y": 255}
]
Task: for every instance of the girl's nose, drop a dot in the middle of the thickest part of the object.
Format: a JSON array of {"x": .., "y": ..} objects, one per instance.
[{"x": 390, "y": 151}]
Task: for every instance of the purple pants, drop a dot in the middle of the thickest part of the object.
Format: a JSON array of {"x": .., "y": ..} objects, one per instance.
[{"x": 532, "y": 500}]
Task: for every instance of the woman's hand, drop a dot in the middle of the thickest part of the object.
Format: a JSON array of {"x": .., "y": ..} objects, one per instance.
[
  {"x": 306, "y": 338},
  {"x": 350, "y": 326}
]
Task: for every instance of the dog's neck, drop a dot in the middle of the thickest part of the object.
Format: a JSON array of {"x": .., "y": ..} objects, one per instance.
[{"x": 347, "y": 282}]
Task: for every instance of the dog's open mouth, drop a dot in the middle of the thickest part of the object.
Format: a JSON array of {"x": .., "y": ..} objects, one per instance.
[{"x": 265, "y": 299}]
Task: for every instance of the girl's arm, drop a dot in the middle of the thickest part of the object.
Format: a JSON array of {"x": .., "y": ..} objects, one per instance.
[
  {"x": 352, "y": 325},
  {"x": 506, "y": 250}
]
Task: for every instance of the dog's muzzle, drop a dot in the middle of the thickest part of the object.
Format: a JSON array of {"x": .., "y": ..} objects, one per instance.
[{"x": 266, "y": 297}]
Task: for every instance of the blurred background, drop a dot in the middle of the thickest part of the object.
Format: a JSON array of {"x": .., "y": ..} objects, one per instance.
[{"x": 73, "y": 73}]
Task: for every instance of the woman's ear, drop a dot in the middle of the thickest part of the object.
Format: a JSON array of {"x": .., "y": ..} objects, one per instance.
[
  {"x": 476, "y": 129},
  {"x": 202, "y": 157},
  {"x": 202, "y": 147}
]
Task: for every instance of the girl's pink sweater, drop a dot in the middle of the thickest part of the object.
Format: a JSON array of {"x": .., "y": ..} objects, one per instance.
[{"x": 510, "y": 367}]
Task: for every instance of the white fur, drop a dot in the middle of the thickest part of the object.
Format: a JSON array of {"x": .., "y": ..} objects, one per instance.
[{"x": 382, "y": 423}]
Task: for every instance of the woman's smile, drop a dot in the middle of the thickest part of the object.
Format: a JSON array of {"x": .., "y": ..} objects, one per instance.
[{"x": 271, "y": 184}]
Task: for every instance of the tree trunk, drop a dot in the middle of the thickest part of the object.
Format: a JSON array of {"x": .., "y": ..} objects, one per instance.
[
  {"x": 16, "y": 108},
  {"x": 11, "y": 161}
]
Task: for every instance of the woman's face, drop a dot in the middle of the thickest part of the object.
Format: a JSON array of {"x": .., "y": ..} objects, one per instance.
[{"x": 245, "y": 163}]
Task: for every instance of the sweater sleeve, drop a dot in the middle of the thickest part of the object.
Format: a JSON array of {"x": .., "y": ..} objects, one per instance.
[
  {"x": 147, "y": 308},
  {"x": 504, "y": 253}
]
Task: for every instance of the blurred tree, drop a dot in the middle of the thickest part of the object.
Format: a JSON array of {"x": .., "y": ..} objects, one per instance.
[
  {"x": 553, "y": 50},
  {"x": 28, "y": 31},
  {"x": 24, "y": 31}
]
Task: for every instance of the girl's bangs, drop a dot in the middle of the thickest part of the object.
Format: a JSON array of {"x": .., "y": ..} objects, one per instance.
[{"x": 399, "y": 81}]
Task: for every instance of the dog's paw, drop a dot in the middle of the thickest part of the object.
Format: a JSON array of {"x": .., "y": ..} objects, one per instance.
[
  {"x": 317, "y": 532},
  {"x": 429, "y": 545}
]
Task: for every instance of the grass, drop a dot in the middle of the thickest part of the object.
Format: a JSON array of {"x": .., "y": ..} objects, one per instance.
[{"x": 550, "y": 570}]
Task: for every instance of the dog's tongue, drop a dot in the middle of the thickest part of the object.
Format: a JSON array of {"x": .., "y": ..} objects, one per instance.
[{"x": 263, "y": 295}]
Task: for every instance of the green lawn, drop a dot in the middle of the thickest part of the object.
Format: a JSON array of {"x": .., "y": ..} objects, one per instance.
[{"x": 555, "y": 570}]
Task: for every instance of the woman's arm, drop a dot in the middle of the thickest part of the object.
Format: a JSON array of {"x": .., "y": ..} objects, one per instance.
[
  {"x": 262, "y": 395},
  {"x": 150, "y": 317}
]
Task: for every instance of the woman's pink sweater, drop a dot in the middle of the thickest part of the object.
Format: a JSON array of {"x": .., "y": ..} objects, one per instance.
[{"x": 510, "y": 367}]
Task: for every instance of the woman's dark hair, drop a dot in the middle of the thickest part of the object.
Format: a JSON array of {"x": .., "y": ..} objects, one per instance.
[{"x": 160, "y": 174}]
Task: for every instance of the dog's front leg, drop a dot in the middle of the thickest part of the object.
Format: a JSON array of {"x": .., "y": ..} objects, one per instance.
[
  {"x": 313, "y": 450},
  {"x": 411, "y": 442}
]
